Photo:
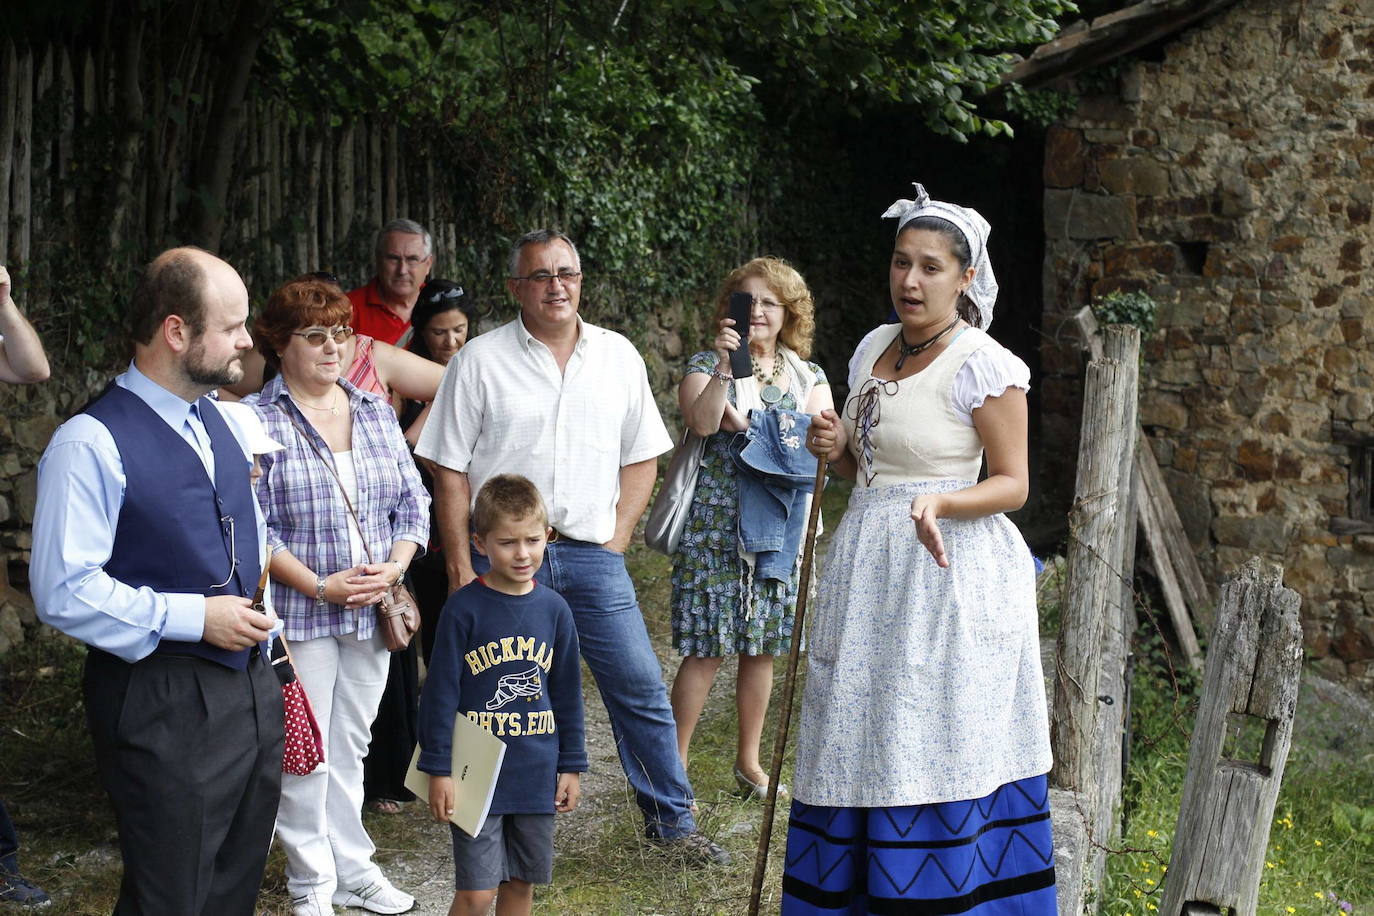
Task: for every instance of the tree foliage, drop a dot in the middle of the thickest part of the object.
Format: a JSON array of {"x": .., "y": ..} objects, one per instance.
[{"x": 667, "y": 135}]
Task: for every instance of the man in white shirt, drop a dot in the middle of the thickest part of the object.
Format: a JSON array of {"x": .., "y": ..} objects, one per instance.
[{"x": 568, "y": 405}]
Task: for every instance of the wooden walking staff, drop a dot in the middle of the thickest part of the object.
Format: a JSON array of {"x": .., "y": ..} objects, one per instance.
[{"x": 780, "y": 741}]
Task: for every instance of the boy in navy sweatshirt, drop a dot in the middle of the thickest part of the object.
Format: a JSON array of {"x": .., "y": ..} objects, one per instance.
[{"x": 505, "y": 656}]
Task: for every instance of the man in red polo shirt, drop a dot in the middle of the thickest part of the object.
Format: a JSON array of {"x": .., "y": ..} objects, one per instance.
[{"x": 404, "y": 254}]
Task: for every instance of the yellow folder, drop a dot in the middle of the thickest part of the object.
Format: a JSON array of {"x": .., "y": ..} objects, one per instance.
[{"x": 477, "y": 756}]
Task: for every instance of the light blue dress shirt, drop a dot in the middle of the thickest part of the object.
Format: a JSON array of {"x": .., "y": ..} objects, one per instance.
[{"x": 80, "y": 494}]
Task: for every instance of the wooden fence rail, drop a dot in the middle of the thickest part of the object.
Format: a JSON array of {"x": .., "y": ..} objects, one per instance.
[{"x": 1239, "y": 747}]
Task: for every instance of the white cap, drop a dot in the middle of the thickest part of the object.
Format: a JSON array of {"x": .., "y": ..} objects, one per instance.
[{"x": 246, "y": 419}]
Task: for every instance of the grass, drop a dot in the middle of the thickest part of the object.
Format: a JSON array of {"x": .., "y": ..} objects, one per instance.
[{"x": 1321, "y": 841}]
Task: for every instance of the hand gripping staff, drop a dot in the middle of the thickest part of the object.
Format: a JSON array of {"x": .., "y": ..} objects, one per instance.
[{"x": 780, "y": 741}]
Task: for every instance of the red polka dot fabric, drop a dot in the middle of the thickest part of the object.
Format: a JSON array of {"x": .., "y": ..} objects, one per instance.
[{"x": 304, "y": 744}]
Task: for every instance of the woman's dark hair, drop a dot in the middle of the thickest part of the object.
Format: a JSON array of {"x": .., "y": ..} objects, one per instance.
[
  {"x": 958, "y": 246},
  {"x": 436, "y": 298}
]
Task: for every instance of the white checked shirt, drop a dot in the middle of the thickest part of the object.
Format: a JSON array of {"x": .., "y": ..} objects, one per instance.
[{"x": 504, "y": 408}]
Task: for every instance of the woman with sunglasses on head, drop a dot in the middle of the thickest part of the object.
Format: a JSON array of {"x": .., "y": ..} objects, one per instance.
[
  {"x": 439, "y": 328},
  {"x": 346, "y": 514},
  {"x": 923, "y": 733},
  {"x": 445, "y": 317}
]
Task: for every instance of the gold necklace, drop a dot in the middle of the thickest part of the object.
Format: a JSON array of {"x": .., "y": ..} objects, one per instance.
[{"x": 333, "y": 406}]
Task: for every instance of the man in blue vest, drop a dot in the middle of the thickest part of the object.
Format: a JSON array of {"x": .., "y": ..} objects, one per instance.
[{"x": 147, "y": 546}]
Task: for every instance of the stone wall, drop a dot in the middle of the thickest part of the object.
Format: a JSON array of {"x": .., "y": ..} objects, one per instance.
[
  {"x": 28, "y": 416},
  {"x": 1232, "y": 181}
]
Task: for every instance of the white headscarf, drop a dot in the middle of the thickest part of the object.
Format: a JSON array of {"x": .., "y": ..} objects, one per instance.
[{"x": 983, "y": 289}]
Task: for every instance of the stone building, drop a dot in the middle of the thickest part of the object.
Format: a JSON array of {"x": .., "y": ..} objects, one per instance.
[{"x": 1226, "y": 168}]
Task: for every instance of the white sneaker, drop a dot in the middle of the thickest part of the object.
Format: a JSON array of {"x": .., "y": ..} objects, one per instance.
[
  {"x": 378, "y": 897},
  {"x": 311, "y": 903}
]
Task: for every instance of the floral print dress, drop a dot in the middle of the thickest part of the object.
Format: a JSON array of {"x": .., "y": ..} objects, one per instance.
[{"x": 711, "y": 617}]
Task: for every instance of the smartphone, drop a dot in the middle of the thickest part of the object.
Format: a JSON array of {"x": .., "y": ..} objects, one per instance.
[{"x": 741, "y": 310}]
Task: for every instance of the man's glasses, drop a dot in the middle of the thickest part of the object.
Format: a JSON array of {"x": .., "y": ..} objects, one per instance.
[
  {"x": 317, "y": 336},
  {"x": 543, "y": 278}
]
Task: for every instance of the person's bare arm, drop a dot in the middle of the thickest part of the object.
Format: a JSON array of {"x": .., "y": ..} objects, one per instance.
[
  {"x": 357, "y": 586},
  {"x": 828, "y": 439},
  {"x": 703, "y": 398},
  {"x": 412, "y": 377},
  {"x": 636, "y": 486},
  {"x": 1001, "y": 423},
  {"x": 452, "y": 508},
  {"x": 22, "y": 360}
]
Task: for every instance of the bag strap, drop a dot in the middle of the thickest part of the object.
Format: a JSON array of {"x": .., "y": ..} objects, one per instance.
[{"x": 329, "y": 466}]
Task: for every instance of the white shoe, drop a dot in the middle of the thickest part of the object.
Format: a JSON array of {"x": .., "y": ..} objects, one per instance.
[
  {"x": 311, "y": 903},
  {"x": 378, "y": 897}
]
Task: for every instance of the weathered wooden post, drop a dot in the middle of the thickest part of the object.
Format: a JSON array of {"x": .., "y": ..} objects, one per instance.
[
  {"x": 1094, "y": 575},
  {"x": 1239, "y": 747}
]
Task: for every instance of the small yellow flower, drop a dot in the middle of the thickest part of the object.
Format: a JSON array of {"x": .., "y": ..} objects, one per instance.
[
  {"x": 1138, "y": 894},
  {"x": 1290, "y": 909},
  {"x": 1270, "y": 865},
  {"x": 1152, "y": 833},
  {"x": 1316, "y": 842},
  {"x": 1318, "y": 895},
  {"x": 1151, "y": 906},
  {"x": 1150, "y": 881}
]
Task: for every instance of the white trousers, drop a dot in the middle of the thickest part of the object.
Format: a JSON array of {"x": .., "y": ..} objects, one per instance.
[{"x": 320, "y": 821}]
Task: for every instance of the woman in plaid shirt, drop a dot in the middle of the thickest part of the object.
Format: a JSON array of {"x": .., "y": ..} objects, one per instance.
[{"x": 338, "y": 439}]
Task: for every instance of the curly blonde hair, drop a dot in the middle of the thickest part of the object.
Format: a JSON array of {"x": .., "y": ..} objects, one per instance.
[{"x": 799, "y": 324}]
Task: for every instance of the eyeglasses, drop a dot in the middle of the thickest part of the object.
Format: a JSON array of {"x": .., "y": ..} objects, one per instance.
[
  {"x": 440, "y": 295},
  {"x": 767, "y": 303},
  {"x": 542, "y": 278},
  {"x": 317, "y": 336}
]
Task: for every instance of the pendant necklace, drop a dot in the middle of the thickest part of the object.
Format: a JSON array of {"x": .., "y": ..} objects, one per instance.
[
  {"x": 333, "y": 406},
  {"x": 904, "y": 349},
  {"x": 769, "y": 393}
]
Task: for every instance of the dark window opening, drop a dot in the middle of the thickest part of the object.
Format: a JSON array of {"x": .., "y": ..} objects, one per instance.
[
  {"x": 1194, "y": 256},
  {"x": 1359, "y": 518}
]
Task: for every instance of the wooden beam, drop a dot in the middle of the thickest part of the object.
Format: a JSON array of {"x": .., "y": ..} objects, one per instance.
[{"x": 1239, "y": 746}]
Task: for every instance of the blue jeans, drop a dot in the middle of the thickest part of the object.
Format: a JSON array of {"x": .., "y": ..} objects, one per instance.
[{"x": 615, "y": 646}]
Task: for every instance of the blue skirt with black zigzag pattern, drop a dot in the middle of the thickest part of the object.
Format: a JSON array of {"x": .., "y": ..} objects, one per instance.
[{"x": 991, "y": 856}]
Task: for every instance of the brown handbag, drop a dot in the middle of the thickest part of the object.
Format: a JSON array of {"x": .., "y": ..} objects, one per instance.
[{"x": 398, "y": 615}]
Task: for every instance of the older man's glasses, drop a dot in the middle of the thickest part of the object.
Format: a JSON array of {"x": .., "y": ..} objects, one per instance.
[
  {"x": 317, "y": 336},
  {"x": 544, "y": 278}
]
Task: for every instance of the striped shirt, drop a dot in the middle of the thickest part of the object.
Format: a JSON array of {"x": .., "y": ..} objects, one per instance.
[{"x": 306, "y": 513}]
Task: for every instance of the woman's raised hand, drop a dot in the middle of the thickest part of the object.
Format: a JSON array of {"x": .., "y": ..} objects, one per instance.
[
  {"x": 726, "y": 341},
  {"x": 827, "y": 437},
  {"x": 925, "y": 511}
]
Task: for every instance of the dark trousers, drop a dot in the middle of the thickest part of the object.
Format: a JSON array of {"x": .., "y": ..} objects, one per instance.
[
  {"x": 190, "y": 754},
  {"x": 9, "y": 843}
]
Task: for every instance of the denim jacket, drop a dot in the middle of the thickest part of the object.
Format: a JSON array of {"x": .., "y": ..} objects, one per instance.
[{"x": 776, "y": 473}]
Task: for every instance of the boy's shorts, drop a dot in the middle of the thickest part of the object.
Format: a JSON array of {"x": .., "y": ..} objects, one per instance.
[{"x": 508, "y": 846}]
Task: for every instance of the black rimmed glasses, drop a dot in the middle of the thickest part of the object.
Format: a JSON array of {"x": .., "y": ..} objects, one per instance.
[
  {"x": 544, "y": 278},
  {"x": 317, "y": 336}
]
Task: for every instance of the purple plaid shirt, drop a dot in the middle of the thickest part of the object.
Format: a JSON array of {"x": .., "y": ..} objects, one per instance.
[{"x": 305, "y": 509}]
